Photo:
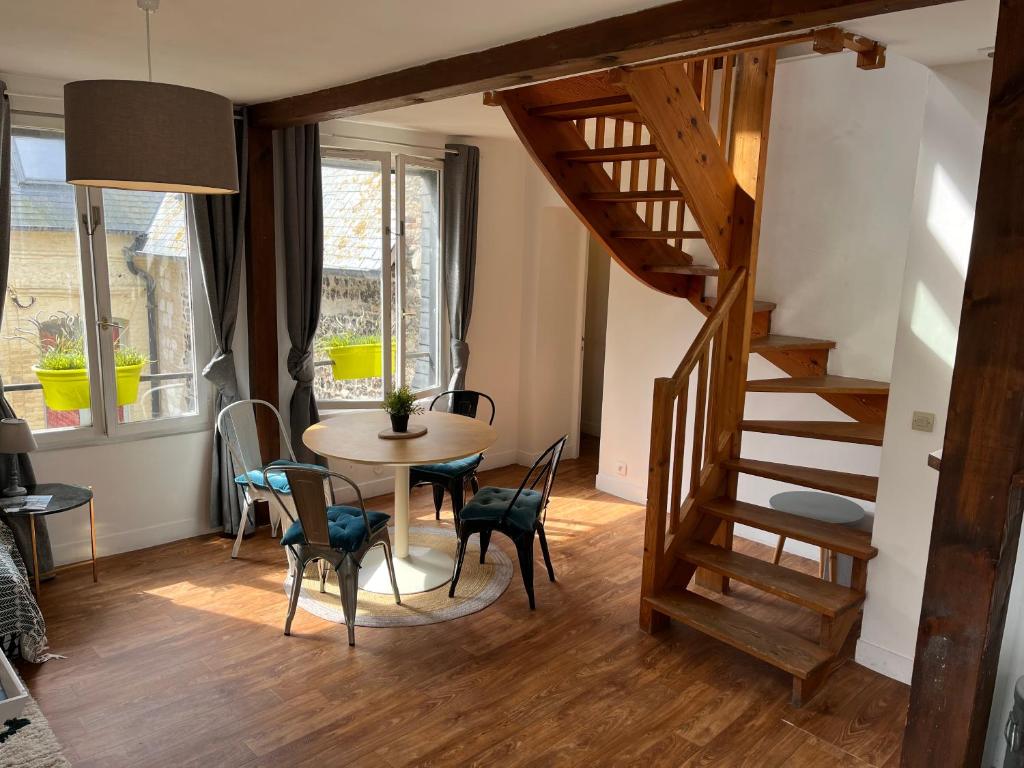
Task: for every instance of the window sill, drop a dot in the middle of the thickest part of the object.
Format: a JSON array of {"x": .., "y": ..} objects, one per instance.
[{"x": 89, "y": 439}]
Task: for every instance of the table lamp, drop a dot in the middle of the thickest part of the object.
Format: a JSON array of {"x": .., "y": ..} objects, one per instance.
[{"x": 15, "y": 438}]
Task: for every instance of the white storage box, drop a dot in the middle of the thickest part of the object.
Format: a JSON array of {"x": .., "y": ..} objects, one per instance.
[{"x": 13, "y": 696}]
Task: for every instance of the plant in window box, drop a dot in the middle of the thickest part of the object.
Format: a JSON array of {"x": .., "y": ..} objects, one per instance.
[
  {"x": 62, "y": 370},
  {"x": 355, "y": 357},
  {"x": 401, "y": 404}
]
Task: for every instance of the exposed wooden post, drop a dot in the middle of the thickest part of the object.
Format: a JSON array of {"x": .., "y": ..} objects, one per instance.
[
  {"x": 978, "y": 506},
  {"x": 261, "y": 285},
  {"x": 748, "y": 152},
  {"x": 657, "y": 500}
]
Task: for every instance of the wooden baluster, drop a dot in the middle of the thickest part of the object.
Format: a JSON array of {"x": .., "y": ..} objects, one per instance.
[
  {"x": 677, "y": 457},
  {"x": 725, "y": 107},
  {"x": 634, "y": 167},
  {"x": 617, "y": 141},
  {"x": 652, "y": 178},
  {"x": 698, "y": 423},
  {"x": 599, "y": 133},
  {"x": 708, "y": 77},
  {"x": 666, "y": 183}
]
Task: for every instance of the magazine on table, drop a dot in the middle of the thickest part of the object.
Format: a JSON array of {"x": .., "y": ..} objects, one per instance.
[{"x": 25, "y": 503}]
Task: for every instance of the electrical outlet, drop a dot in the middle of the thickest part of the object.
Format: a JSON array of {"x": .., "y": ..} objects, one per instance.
[
  {"x": 621, "y": 469},
  {"x": 923, "y": 422}
]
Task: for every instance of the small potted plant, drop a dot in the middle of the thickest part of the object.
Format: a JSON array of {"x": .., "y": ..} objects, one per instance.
[{"x": 401, "y": 404}]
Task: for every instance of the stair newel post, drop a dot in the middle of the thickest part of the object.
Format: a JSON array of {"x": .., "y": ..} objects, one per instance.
[{"x": 654, "y": 564}]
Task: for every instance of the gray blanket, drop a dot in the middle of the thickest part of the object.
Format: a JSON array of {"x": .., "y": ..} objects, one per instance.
[{"x": 22, "y": 629}]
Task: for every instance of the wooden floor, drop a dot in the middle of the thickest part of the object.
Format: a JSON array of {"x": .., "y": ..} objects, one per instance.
[{"x": 177, "y": 658}]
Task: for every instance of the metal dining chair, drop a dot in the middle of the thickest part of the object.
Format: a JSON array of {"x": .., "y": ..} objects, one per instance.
[
  {"x": 452, "y": 476},
  {"x": 236, "y": 425},
  {"x": 518, "y": 513},
  {"x": 337, "y": 534}
]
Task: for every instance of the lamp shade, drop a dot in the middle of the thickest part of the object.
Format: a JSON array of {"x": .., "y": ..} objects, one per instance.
[
  {"x": 131, "y": 134},
  {"x": 16, "y": 436}
]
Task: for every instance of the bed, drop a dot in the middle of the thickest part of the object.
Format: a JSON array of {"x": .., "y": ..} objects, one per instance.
[{"x": 22, "y": 629}]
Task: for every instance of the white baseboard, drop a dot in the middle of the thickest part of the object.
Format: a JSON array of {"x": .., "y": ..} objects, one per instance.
[
  {"x": 624, "y": 489},
  {"x": 129, "y": 540},
  {"x": 884, "y": 661}
]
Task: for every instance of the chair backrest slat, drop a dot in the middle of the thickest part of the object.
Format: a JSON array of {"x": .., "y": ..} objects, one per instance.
[
  {"x": 542, "y": 473},
  {"x": 464, "y": 402},
  {"x": 237, "y": 424},
  {"x": 310, "y": 499}
]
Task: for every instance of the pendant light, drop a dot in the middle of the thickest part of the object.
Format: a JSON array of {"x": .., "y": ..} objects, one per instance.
[{"x": 133, "y": 134}]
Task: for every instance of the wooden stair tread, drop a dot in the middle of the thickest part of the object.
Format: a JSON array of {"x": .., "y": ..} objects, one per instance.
[
  {"x": 759, "y": 306},
  {"x": 653, "y": 234},
  {"x": 702, "y": 270},
  {"x": 840, "y": 431},
  {"x": 640, "y": 196},
  {"x": 776, "y": 343},
  {"x": 821, "y": 596},
  {"x": 611, "y": 154},
  {"x": 845, "y": 484},
  {"x": 577, "y": 110},
  {"x": 820, "y": 385},
  {"x": 781, "y": 649},
  {"x": 838, "y": 538}
]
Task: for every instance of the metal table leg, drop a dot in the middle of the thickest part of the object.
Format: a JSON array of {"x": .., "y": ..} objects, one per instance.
[
  {"x": 92, "y": 537},
  {"x": 35, "y": 553}
]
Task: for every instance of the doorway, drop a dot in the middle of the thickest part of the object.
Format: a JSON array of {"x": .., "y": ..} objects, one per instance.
[{"x": 595, "y": 326}]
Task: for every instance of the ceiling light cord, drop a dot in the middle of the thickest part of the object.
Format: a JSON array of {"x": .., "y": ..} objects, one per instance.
[
  {"x": 148, "y": 6},
  {"x": 149, "y": 50}
]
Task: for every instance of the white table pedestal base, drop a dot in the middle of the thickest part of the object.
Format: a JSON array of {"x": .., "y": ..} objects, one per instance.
[{"x": 424, "y": 569}]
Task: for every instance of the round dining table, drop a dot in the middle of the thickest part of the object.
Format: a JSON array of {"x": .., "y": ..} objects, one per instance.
[{"x": 355, "y": 437}]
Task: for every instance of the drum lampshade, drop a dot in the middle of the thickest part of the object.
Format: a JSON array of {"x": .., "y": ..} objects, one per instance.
[{"x": 131, "y": 134}]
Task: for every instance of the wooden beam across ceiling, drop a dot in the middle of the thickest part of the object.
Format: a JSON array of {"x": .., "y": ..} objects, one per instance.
[{"x": 666, "y": 30}]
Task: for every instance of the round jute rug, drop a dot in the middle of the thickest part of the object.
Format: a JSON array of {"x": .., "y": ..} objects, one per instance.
[{"x": 479, "y": 586}]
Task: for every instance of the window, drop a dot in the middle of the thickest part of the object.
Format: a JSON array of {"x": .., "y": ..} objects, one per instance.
[
  {"x": 382, "y": 269},
  {"x": 98, "y": 336}
]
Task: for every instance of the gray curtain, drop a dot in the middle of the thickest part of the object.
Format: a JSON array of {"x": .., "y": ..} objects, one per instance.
[
  {"x": 220, "y": 230},
  {"x": 303, "y": 225},
  {"x": 19, "y": 525},
  {"x": 461, "y": 193}
]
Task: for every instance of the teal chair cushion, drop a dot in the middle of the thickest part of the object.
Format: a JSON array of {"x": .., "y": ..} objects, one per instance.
[
  {"x": 345, "y": 525},
  {"x": 490, "y": 503},
  {"x": 278, "y": 480},
  {"x": 450, "y": 469}
]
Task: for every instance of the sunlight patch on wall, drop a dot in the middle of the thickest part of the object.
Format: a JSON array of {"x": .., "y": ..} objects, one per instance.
[
  {"x": 932, "y": 325},
  {"x": 950, "y": 219}
]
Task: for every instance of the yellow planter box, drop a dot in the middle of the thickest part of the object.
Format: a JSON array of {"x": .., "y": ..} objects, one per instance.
[
  {"x": 69, "y": 390},
  {"x": 358, "y": 361}
]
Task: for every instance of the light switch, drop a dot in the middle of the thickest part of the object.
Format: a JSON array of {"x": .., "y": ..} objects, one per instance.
[{"x": 923, "y": 422}]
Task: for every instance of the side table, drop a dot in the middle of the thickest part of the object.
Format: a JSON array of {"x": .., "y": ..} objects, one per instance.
[{"x": 64, "y": 498}]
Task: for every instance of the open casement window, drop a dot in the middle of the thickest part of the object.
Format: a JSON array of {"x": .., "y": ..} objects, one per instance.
[
  {"x": 98, "y": 338},
  {"x": 382, "y": 269}
]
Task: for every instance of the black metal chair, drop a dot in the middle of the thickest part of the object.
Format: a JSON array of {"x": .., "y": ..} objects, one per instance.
[
  {"x": 519, "y": 514},
  {"x": 452, "y": 476},
  {"x": 338, "y": 534}
]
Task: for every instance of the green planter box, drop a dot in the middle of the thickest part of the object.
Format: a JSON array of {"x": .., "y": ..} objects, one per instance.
[
  {"x": 69, "y": 390},
  {"x": 358, "y": 361}
]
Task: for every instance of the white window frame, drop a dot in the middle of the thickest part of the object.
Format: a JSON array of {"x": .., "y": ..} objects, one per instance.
[
  {"x": 96, "y": 303},
  {"x": 393, "y": 169}
]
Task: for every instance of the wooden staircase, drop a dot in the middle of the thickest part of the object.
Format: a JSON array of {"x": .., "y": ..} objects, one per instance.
[{"x": 665, "y": 164}]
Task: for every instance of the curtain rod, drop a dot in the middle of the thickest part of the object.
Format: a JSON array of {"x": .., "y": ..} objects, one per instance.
[{"x": 392, "y": 143}]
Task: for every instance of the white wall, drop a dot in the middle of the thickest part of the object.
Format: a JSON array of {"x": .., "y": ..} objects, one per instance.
[
  {"x": 840, "y": 179},
  {"x": 929, "y": 314},
  {"x": 594, "y": 332}
]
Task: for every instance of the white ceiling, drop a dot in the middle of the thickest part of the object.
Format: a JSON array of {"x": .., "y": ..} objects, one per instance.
[{"x": 251, "y": 50}]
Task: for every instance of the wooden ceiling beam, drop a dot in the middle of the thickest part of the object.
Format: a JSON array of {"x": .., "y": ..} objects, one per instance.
[{"x": 675, "y": 28}]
